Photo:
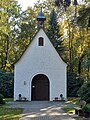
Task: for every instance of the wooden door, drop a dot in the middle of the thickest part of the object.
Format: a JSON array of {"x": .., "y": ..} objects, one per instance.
[{"x": 40, "y": 87}]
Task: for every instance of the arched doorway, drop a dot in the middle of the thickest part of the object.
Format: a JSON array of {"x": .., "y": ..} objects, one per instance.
[{"x": 40, "y": 88}]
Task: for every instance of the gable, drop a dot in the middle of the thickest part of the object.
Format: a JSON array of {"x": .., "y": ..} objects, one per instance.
[{"x": 41, "y": 49}]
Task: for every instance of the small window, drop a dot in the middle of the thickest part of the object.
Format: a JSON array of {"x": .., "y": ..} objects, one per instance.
[{"x": 41, "y": 41}]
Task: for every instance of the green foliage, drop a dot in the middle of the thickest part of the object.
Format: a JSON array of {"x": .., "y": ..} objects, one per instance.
[
  {"x": 64, "y": 3},
  {"x": 84, "y": 15},
  {"x": 53, "y": 32},
  {"x": 16, "y": 31},
  {"x": 1, "y": 99},
  {"x": 9, "y": 29},
  {"x": 53, "y": 28},
  {"x": 74, "y": 82},
  {"x": 6, "y": 84},
  {"x": 17, "y": 28},
  {"x": 85, "y": 109},
  {"x": 84, "y": 91}
]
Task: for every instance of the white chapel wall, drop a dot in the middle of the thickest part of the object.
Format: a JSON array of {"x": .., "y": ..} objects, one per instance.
[{"x": 32, "y": 63}]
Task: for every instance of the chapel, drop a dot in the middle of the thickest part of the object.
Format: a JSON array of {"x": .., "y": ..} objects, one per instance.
[{"x": 40, "y": 74}]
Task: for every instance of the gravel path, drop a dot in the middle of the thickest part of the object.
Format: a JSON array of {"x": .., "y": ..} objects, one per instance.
[{"x": 43, "y": 110}]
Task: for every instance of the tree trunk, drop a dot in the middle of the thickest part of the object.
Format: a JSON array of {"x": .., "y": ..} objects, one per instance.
[
  {"x": 70, "y": 49},
  {"x": 80, "y": 62},
  {"x": 6, "y": 51},
  {"x": 79, "y": 66}
]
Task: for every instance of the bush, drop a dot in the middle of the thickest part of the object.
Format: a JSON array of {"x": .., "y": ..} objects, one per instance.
[
  {"x": 85, "y": 109},
  {"x": 74, "y": 82},
  {"x": 6, "y": 84},
  {"x": 1, "y": 99},
  {"x": 84, "y": 91}
]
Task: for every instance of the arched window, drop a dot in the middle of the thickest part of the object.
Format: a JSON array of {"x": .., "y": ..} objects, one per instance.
[{"x": 41, "y": 41}]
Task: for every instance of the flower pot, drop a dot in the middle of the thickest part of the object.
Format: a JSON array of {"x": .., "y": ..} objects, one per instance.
[{"x": 80, "y": 113}]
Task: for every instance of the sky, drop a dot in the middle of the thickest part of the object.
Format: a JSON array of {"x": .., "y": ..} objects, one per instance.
[{"x": 25, "y": 3}]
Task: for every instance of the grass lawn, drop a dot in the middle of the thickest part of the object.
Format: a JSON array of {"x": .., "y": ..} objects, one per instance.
[
  {"x": 69, "y": 110},
  {"x": 9, "y": 113},
  {"x": 8, "y": 99}
]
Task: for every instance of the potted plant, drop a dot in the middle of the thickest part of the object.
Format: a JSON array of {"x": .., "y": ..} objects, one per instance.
[
  {"x": 61, "y": 97},
  {"x": 20, "y": 97},
  {"x": 86, "y": 112}
]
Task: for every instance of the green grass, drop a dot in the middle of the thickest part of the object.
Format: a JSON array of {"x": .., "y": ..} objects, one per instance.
[
  {"x": 70, "y": 105},
  {"x": 8, "y": 99},
  {"x": 9, "y": 113},
  {"x": 69, "y": 110},
  {"x": 74, "y": 100}
]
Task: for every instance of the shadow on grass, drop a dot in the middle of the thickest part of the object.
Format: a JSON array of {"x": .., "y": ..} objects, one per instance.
[{"x": 10, "y": 113}]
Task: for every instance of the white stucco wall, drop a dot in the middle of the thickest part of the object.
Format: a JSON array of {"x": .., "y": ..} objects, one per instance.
[{"x": 40, "y": 60}]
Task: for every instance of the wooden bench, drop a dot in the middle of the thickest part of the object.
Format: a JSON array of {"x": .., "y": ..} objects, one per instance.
[{"x": 78, "y": 110}]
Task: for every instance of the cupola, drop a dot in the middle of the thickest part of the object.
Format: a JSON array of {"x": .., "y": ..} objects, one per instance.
[{"x": 41, "y": 18}]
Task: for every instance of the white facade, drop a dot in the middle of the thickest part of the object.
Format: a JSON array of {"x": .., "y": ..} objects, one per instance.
[{"x": 40, "y": 60}]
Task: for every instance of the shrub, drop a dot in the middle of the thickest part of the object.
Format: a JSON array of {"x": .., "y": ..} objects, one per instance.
[
  {"x": 84, "y": 91},
  {"x": 74, "y": 82},
  {"x": 1, "y": 99},
  {"x": 6, "y": 84},
  {"x": 85, "y": 109}
]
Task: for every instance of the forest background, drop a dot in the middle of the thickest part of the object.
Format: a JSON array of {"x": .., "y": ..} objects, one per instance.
[{"x": 68, "y": 27}]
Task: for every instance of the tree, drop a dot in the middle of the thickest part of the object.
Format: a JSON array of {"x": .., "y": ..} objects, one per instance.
[
  {"x": 64, "y": 3},
  {"x": 84, "y": 15},
  {"x": 27, "y": 29},
  {"x": 77, "y": 38},
  {"x": 53, "y": 32},
  {"x": 83, "y": 21},
  {"x": 74, "y": 82},
  {"x": 9, "y": 28},
  {"x": 17, "y": 28},
  {"x": 84, "y": 91}
]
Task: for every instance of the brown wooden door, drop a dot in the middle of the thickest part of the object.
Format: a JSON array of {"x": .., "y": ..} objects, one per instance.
[{"x": 40, "y": 87}]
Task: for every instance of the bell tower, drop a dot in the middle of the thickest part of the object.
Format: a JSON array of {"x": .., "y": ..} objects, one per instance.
[{"x": 41, "y": 18}]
